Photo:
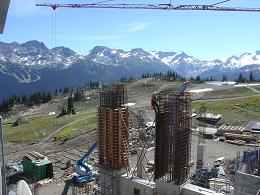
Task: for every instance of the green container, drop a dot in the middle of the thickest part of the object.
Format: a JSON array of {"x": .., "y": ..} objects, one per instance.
[{"x": 37, "y": 171}]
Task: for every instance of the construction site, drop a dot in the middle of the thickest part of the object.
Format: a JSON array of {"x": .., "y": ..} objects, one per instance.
[
  {"x": 151, "y": 143},
  {"x": 128, "y": 156}
]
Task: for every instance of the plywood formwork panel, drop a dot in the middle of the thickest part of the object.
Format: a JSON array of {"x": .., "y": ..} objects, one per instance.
[{"x": 113, "y": 128}]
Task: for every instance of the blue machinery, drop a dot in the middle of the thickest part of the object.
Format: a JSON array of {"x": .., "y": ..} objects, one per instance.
[{"x": 83, "y": 169}]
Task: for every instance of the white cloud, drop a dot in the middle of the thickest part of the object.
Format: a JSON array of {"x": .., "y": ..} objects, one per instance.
[{"x": 132, "y": 27}]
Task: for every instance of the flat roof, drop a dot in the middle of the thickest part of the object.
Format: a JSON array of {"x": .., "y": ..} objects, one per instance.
[
  {"x": 256, "y": 126},
  {"x": 253, "y": 125},
  {"x": 4, "y": 5}
]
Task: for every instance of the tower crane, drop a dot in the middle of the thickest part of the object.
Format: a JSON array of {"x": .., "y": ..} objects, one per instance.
[{"x": 166, "y": 6}]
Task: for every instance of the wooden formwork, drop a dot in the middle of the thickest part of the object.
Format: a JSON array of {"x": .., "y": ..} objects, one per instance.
[{"x": 113, "y": 128}]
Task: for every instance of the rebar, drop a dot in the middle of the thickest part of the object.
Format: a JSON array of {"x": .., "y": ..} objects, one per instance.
[
  {"x": 113, "y": 96},
  {"x": 173, "y": 138}
]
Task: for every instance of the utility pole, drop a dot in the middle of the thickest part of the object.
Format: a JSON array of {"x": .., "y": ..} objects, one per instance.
[{"x": 3, "y": 189}]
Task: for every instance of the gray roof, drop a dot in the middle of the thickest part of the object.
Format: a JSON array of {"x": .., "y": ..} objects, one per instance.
[
  {"x": 256, "y": 126},
  {"x": 253, "y": 125}
]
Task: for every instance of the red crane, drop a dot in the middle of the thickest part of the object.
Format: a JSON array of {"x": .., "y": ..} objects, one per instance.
[{"x": 168, "y": 6}]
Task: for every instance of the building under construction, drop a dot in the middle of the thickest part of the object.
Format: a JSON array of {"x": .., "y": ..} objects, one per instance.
[
  {"x": 172, "y": 148},
  {"x": 173, "y": 137},
  {"x": 113, "y": 129}
]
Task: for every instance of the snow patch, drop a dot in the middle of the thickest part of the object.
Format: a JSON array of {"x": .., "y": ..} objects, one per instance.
[
  {"x": 221, "y": 83},
  {"x": 247, "y": 85},
  {"x": 101, "y": 54},
  {"x": 114, "y": 51},
  {"x": 168, "y": 60},
  {"x": 200, "y": 90},
  {"x": 125, "y": 55},
  {"x": 3, "y": 59},
  {"x": 189, "y": 59},
  {"x": 154, "y": 54}
]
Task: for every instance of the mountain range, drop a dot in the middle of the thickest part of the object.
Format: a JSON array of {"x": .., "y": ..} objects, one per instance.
[{"x": 31, "y": 66}]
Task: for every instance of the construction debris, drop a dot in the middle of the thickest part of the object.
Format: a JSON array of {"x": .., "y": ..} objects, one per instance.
[{"x": 246, "y": 138}]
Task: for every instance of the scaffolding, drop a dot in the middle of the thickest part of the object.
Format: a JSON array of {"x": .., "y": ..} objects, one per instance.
[{"x": 173, "y": 138}]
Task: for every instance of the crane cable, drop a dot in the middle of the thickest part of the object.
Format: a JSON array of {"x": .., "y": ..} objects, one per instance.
[
  {"x": 219, "y": 2},
  {"x": 54, "y": 63}
]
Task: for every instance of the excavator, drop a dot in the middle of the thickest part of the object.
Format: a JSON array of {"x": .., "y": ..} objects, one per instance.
[{"x": 83, "y": 169}]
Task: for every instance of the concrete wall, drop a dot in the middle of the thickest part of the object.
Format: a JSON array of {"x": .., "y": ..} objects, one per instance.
[
  {"x": 246, "y": 183},
  {"x": 127, "y": 186},
  {"x": 200, "y": 152},
  {"x": 109, "y": 181},
  {"x": 190, "y": 189},
  {"x": 164, "y": 188}
]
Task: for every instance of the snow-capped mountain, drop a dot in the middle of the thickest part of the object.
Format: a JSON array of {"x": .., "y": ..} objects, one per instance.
[
  {"x": 115, "y": 57},
  {"x": 183, "y": 63},
  {"x": 245, "y": 59},
  {"x": 35, "y": 53},
  {"x": 30, "y": 66}
]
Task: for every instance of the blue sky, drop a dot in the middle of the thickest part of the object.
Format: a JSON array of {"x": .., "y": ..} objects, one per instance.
[{"x": 203, "y": 34}]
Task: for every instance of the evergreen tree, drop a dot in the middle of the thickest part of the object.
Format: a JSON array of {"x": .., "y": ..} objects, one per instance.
[
  {"x": 70, "y": 104},
  {"x": 224, "y": 78},
  {"x": 198, "y": 78},
  {"x": 240, "y": 78},
  {"x": 251, "y": 77},
  {"x": 49, "y": 96},
  {"x": 25, "y": 100}
]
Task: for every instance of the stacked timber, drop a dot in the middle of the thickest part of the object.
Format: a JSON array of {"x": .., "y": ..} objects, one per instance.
[{"x": 246, "y": 138}]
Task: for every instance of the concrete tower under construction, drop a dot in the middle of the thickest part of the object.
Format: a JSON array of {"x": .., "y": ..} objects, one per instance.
[
  {"x": 113, "y": 129},
  {"x": 173, "y": 138}
]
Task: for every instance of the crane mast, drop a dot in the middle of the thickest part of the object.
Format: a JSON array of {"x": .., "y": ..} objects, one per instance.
[{"x": 152, "y": 6}]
